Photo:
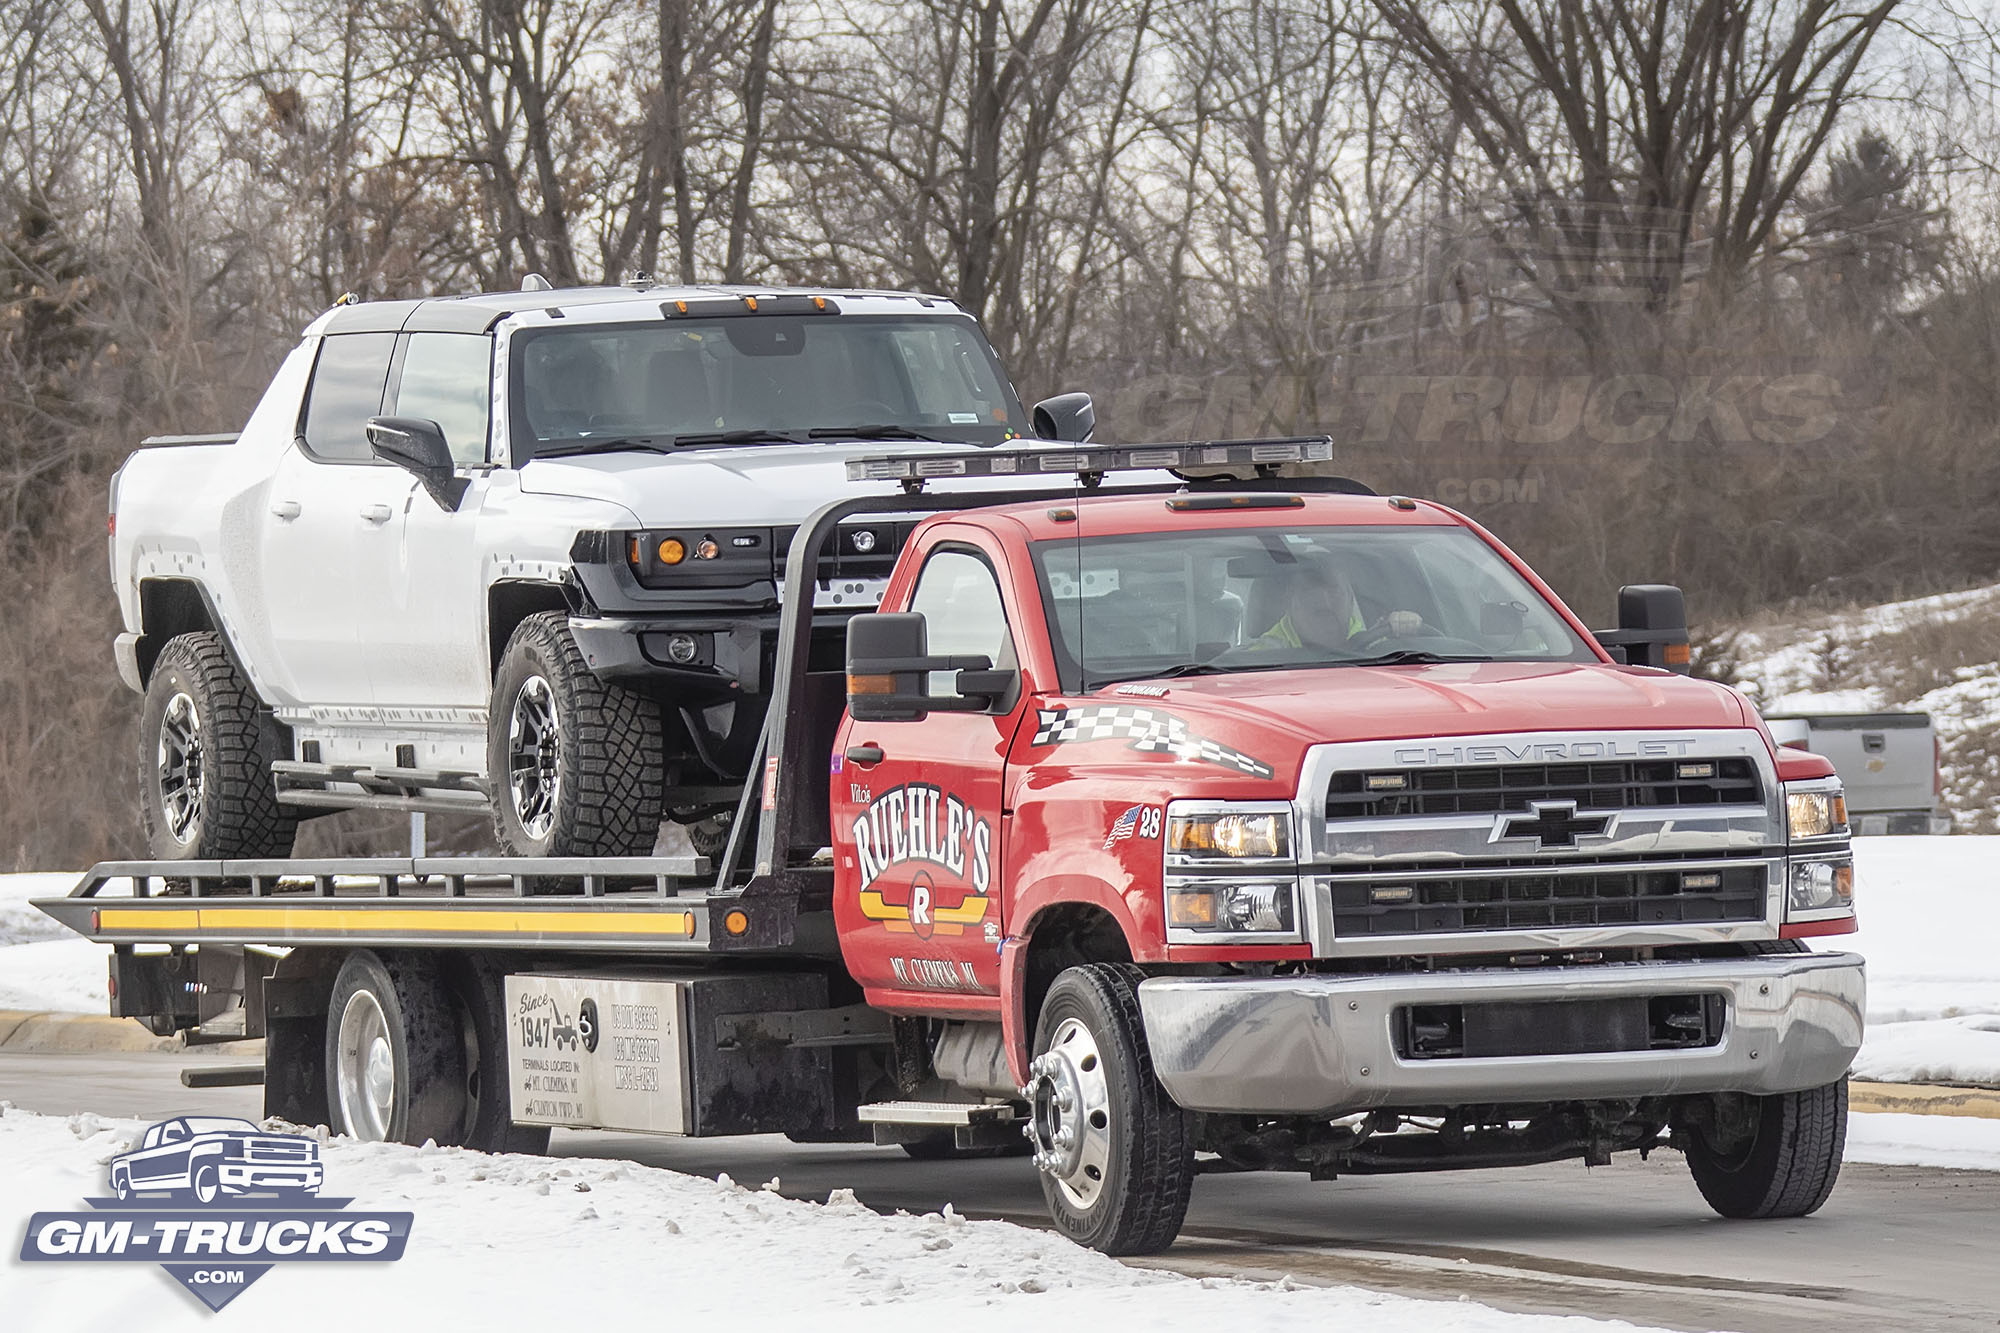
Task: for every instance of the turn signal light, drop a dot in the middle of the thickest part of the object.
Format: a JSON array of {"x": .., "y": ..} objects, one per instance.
[
  {"x": 672, "y": 552},
  {"x": 735, "y": 922},
  {"x": 871, "y": 684}
]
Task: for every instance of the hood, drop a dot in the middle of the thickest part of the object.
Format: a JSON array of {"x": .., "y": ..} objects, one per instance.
[
  {"x": 744, "y": 485},
  {"x": 1276, "y": 715}
]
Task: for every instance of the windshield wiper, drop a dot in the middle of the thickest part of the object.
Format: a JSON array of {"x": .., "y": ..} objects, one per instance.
[
  {"x": 1412, "y": 657},
  {"x": 878, "y": 432},
  {"x": 1164, "y": 673},
  {"x": 735, "y": 437},
  {"x": 610, "y": 444}
]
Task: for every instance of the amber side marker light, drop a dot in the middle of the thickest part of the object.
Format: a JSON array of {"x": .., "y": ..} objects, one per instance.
[
  {"x": 1676, "y": 654},
  {"x": 871, "y": 684},
  {"x": 672, "y": 552},
  {"x": 735, "y": 922}
]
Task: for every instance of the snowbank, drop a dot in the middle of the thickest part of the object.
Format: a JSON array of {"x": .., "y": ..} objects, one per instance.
[
  {"x": 1960, "y": 1142},
  {"x": 530, "y": 1243},
  {"x": 1930, "y": 921}
]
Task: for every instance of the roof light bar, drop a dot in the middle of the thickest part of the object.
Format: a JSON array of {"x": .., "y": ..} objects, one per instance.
[{"x": 1094, "y": 459}]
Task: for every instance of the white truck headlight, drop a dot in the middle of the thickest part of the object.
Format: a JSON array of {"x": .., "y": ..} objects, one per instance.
[{"x": 1218, "y": 834}]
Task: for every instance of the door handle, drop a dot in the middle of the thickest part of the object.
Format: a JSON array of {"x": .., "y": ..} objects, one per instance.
[
  {"x": 865, "y": 754},
  {"x": 376, "y": 513},
  {"x": 286, "y": 509}
]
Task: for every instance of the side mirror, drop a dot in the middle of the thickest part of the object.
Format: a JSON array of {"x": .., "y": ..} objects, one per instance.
[
  {"x": 1652, "y": 628},
  {"x": 887, "y": 664},
  {"x": 419, "y": 447},
  {"x": 1067, "y": 416}
]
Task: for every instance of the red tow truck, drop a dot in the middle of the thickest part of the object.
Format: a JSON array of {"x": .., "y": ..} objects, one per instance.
[{"x": 1148, "y": 829}]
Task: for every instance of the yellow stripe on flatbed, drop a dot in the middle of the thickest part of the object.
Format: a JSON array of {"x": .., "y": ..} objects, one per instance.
[{"x": 421, "y": 920}]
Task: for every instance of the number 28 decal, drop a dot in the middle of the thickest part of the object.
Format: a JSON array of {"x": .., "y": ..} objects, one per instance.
[{"x": 1141, "y": 821}]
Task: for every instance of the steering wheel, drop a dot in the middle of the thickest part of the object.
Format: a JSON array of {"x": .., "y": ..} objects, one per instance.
[{"x": 1442, "y": 643}]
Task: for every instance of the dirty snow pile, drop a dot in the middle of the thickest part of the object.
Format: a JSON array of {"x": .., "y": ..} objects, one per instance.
[
  {"x": 1930, "y": 930},
  {"x": 532, "y": 1243},
  {"x": 42, "y": 966}
]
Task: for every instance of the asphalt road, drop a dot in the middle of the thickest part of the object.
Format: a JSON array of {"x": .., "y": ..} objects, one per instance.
[{"x": 1897, "y": 1247}]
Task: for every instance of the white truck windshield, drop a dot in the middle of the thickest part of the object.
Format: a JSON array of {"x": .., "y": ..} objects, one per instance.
[
  {"x": 757, "y": 379},
  {"x": 1179, "y": 603}
]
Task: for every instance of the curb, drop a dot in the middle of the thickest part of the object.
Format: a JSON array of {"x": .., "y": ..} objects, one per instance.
[{"x": 1924, "y": 1099}]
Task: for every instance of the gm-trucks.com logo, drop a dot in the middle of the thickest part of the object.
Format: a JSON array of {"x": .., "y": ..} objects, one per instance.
[{"x": 217, "y": 1203}]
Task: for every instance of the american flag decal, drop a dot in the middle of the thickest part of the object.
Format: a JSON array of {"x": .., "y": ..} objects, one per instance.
[
  {"x": 1123, "y": 827},
  {"x": 1148, "y": 729}
]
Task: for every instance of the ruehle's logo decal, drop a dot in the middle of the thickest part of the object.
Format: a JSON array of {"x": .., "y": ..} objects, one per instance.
[
  {"x": 905, "y": 837},
  {"x": 1150, "y": 731},
  {"x": 217, "y": 1203}
]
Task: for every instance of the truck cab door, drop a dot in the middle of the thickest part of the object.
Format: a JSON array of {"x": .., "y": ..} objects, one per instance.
[
  {"x": 428, "y": 634},
  {"x": 917, "y": 807},
  {"x": 327, "y": 537}
]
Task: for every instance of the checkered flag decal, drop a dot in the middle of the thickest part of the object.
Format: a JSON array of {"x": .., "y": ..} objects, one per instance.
[{"x": 1150, "y": 731}]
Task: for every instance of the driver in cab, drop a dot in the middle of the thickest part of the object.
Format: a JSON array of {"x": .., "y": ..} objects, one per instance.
[{"x": 1315, "y": 607}]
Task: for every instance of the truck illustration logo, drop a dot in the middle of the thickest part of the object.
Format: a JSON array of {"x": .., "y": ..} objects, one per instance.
[
  {"x": 206, "y": 1157},
  {"x": 217, "y": 1202}
]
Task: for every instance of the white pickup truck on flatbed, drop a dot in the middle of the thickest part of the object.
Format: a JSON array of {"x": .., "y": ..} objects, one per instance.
[{"x": 518, "y": 552}]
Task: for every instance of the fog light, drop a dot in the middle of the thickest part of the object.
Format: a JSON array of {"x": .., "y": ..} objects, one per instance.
[
  {"x": 681, "y": 649},
  {"x": 864, "y": 540},
  {"x": 707, "y": 549}
]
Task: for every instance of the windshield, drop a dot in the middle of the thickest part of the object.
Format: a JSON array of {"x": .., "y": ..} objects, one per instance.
[
  {"x": 1256, "y": 599},
  {"x": 757, "y": 379},
  {"x": 209, "y": 1124}
]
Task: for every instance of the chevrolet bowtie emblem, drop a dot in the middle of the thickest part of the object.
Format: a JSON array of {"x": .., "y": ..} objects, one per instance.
[{"x": 1554, "y": 823}]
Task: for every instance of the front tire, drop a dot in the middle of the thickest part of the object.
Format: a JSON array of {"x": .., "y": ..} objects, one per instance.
[
  {"x": 395, "y": 1051},
  {"x": 575, "y": 764},
  {"x": 206, "y": 746},
  {"x": 1116, "y": 1154},
  {"x": 207, "y": 1185},
  {"x": 1786, "y": 1165}
]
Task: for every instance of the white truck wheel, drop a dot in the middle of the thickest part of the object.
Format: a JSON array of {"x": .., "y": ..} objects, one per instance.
[
  {"x": 206, "y": 746},
  {"x": 575, "y": 765}
]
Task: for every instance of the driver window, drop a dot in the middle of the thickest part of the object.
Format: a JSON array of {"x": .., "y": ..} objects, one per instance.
[
  {"x": 173, "y": 1134},
  {"x": 959, "y": 598},
  {"x": 447, "y": 378}
]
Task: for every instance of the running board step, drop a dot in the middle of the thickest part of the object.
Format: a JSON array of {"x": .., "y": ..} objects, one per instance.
[
  {"x": 383, "y": 787},
  {"x": 971, "y": 1124}
]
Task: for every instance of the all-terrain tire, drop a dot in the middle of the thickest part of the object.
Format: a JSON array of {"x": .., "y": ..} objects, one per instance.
[
  {"x": 1149, "y": 1176},
  {"x": 481, "y": 993},
  {"x": 418, "y": 1091},
  {"x": 206, "y": 746},
  {"x": 607, "y": 790},
  {"x": 1788, "y": 1166}
]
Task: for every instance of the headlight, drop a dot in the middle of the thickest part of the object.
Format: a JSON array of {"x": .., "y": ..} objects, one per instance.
[
  {"x": 1816, "y": 814},
  {"x": 1822, "y": 885},
  {"x": 1210, "y": 836},
  {"x": 1231, "y": 908}
]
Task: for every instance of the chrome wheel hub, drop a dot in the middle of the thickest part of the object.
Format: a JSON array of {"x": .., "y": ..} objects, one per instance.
[
  {"x": 179, "y": 766},
  {"x": 534, "y": 757},
  {"x": 1069, "y": 1121},
  {"x": 365, "y": 1069}
]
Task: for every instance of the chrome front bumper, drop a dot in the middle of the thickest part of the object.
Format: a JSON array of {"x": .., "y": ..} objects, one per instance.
[{"x": 1325, "y": 1045}]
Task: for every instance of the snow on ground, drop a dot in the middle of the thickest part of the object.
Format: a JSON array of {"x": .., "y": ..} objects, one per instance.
[
  {"x": 531, "y": 1243},
  {"x": 1930, "y": 915},
  {"x": 22, "y": 924},
  {"x": 1963, "y": 1143},
  {"x": 43, "y": 966}
]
